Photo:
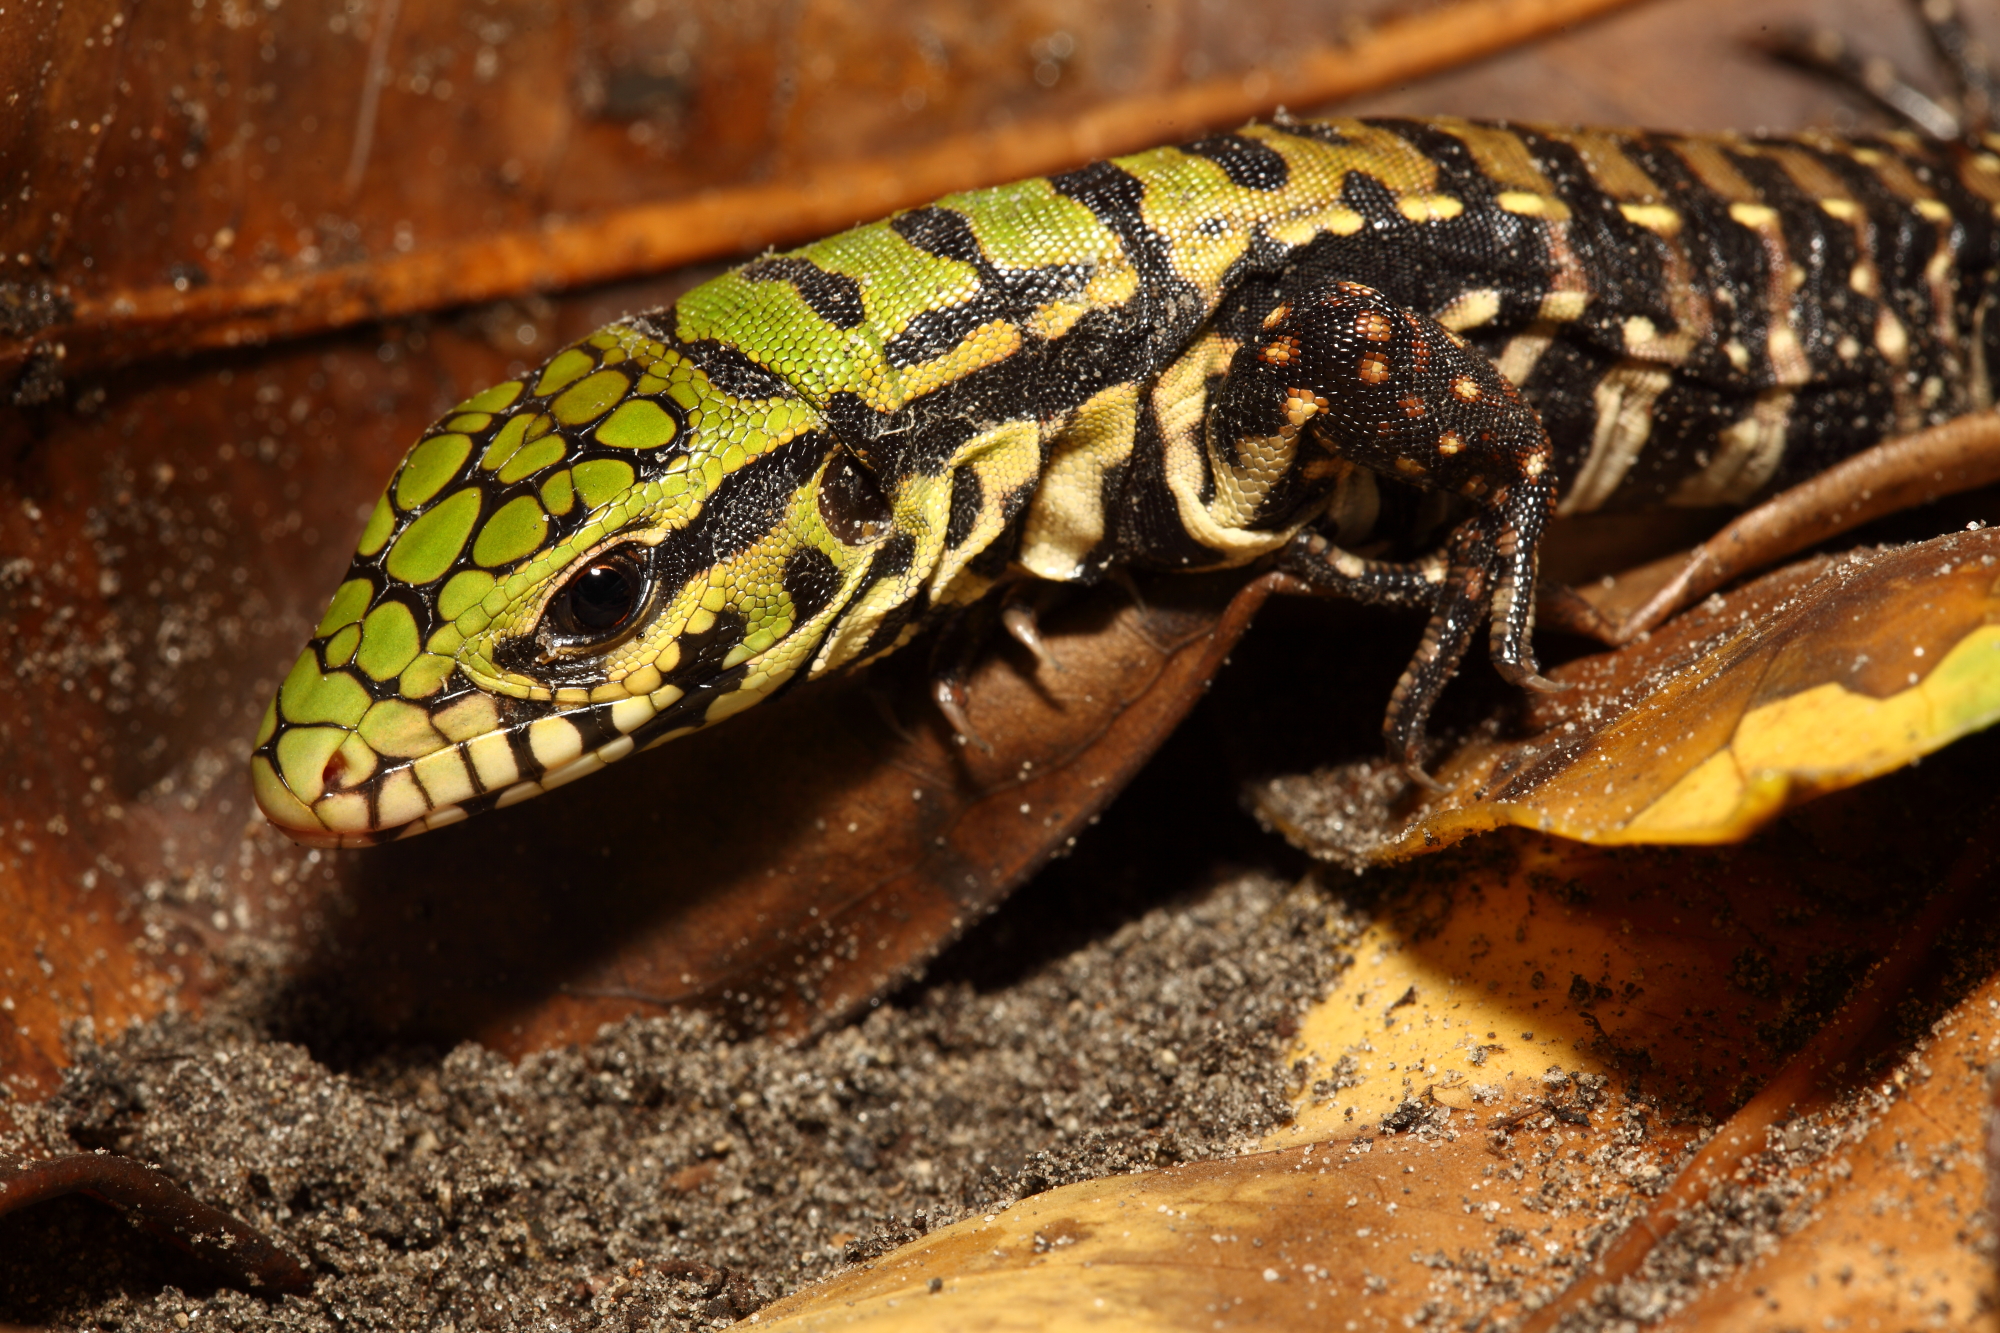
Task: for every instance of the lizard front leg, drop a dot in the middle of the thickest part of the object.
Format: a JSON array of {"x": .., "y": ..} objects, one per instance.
[{"x": 1395, "y": 391}]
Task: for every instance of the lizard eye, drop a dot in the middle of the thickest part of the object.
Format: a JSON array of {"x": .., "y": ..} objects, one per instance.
[
  {"x": 851, "y": 504},
  {"x": 599, "y": 601}
]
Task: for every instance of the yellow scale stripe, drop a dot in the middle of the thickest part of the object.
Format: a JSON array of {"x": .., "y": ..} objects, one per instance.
[{"x": 1020, "y": 227}]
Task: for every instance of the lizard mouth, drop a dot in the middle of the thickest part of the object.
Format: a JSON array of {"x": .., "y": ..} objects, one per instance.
[
  {"x": 394, "y": 769},
  {"x": 328, "y": 787}
]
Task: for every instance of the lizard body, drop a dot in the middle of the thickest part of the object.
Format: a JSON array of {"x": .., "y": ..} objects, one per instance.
[{"x": 1206, "y": 356}]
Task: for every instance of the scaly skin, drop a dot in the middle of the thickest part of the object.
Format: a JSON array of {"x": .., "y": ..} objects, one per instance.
[{"x": 1174, "y": 360}]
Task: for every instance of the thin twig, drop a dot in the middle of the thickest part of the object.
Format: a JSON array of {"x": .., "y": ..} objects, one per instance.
[{"x": 1897, "y": 474}]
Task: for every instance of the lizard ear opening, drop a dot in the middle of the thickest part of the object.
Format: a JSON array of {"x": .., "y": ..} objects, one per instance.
[{"x": 851, "y": 502}]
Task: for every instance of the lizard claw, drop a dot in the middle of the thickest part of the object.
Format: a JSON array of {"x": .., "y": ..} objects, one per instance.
[
  {"x": 949, "y": 696},
  {"x": 1525, "y": 677},
  {"x": 1415, "y": 773},
  {"x": 1019, "y": 620}
]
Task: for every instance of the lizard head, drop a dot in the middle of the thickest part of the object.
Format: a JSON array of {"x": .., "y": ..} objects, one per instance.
[{"x": 640, "y": 539}]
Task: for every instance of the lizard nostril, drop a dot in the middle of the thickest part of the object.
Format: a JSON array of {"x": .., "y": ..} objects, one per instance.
[{"x": 334, "y": 775}]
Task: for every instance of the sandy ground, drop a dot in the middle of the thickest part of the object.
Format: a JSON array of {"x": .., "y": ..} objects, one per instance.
[{"x": 669, "y": 1175}]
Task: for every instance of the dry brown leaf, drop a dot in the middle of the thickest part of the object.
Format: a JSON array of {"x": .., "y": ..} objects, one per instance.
[
  {"x": 1806, "y": 681},
  {"x": 332, "y": 280},
  {"x": 152, "y": 1201}
]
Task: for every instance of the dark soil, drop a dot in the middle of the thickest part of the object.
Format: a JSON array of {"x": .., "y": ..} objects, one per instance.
[{"x": 669, "y": 1175}]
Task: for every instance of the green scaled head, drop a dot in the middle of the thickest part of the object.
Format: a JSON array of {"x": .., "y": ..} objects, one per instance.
[{"x": 640, "y": 539}]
